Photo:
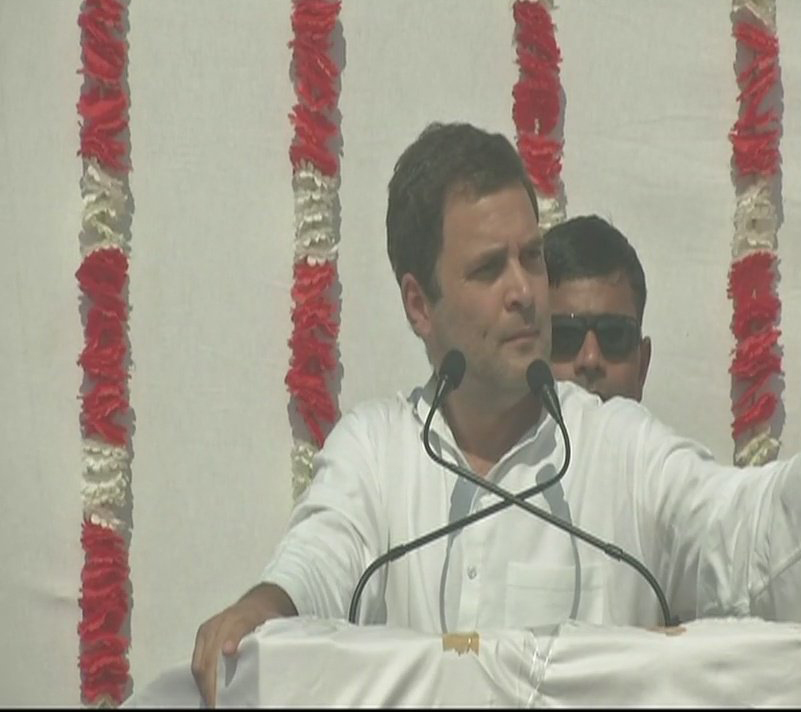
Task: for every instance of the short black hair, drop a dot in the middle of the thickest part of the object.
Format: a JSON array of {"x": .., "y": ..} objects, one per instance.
[
  {"x": 445, "y": 158},
  {"x": 588, "y": 246}
]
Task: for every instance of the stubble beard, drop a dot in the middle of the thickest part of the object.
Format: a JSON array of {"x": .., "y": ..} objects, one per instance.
[{"x": 500, "y": 381}]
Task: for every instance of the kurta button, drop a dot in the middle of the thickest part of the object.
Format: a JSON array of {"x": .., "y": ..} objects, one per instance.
[{"x": 472, "y": 572}]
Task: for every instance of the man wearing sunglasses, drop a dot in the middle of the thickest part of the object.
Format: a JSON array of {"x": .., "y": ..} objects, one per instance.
[{"x": 597, "y": 296}]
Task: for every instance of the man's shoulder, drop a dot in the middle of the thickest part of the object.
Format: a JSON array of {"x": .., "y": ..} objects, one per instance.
[
  {"x": 580, "y": 404},
  {"x": 374, "y": 427},
  {"x": 619, "y": 421},
  {"x": 382, "y": 413}
]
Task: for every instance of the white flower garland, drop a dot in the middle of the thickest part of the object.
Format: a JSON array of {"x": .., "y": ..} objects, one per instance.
[
  {"x": 105, "y": 206},
  {"x": 316, "y": 238}
]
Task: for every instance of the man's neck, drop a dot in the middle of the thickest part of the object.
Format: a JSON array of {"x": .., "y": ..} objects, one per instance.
[{"x": 484, "y": 431}]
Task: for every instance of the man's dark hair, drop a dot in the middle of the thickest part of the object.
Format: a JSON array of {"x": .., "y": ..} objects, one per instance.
[
  {"x": 588, "y": 246},
  {"x": 445, "y": 159}
]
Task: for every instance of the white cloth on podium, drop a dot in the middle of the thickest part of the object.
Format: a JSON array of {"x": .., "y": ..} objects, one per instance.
[{"x": 309, "y": 662}]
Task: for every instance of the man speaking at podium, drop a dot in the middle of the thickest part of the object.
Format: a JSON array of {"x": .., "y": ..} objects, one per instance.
[{"x": 638, "y": 523}]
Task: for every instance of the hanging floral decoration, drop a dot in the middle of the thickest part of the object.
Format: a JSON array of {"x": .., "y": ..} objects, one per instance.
[
  {"x": 105, "y": 413},
  {"x": 756, "y": 361},
  {"x": 537, "y": 106},
  {"x": 315, "y": 182}
]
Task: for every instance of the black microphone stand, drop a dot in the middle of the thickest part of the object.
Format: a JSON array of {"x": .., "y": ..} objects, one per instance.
[{"x": 508, "y": 499}]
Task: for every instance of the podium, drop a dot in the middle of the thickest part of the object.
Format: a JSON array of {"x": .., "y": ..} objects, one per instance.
[{"x": 308, "y": 662}]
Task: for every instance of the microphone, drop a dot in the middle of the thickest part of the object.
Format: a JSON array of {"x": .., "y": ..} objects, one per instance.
[
  {"x": 540, "y": 381},
  {"x": 451, "y": 373}
]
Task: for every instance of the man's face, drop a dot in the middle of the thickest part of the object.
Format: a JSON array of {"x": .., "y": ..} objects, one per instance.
[
  {"x": 582, "y": 358},
  {"x": 494, "y": 292}
]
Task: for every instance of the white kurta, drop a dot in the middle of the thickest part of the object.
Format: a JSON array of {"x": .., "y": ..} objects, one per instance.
[{"x": 720, "y": 540}]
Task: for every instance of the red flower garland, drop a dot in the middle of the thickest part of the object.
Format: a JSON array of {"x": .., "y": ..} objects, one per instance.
[
  {"x": 755, "y": 136},
  {"x": 102, "y": 278},
  {"x": 537, "y": 96},
  {"x": 312, "y": 342},
  {"x": 103, "y": 103},
  {"x": 756, "y": 307},
  {"x": 315, "y": 328},
  {"x": 316, "y": 75},
  {"x": 104, "y": 667}
]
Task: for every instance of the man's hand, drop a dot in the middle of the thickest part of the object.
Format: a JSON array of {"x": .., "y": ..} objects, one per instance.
[{"x": 223, "y": 632}]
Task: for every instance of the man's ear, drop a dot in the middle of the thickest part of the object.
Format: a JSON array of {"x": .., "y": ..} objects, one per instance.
[
  {"x": 416, "y": 305},
  {"x": 645, "y": 361}
]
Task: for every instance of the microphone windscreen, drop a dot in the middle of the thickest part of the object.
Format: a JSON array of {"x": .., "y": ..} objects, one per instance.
[
  {"x": 453, "y": 367},
  {"x": 538, "y": 376}
]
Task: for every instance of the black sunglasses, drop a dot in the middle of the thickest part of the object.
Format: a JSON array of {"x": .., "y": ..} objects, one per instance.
[{"x": 617, "y": 335}]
